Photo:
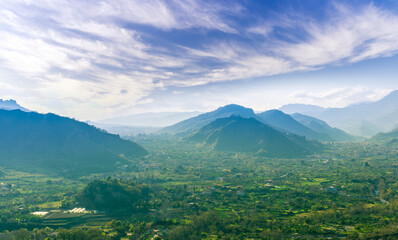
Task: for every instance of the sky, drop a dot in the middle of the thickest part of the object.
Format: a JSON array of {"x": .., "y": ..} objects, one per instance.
[{"x": 99, "y": 59}]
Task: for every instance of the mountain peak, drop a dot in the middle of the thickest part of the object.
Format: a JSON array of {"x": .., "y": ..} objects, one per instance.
[
  {"x": 233, "y": 107},
  {"x": 11, "y": 104},
  {"x": 192, "y": 124},
  {"x": 391, "y": 95},
  {"x": 239, "y": 134}
]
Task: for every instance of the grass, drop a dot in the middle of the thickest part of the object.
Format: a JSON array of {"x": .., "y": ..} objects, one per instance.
[{"x": 49, "y": 205}]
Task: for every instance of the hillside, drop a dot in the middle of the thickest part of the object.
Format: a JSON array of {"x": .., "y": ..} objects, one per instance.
[
  {"x": 363, "y": 119},
  {"x": 192, "y": 124},
  {"x": 11, "y": 105},
  {"x": 112, "y": 195},
  {"x": 237, "y": 134},
  {"x": 63, "y": 144},
  {"x": 390, "y": 138},
  {"x": 286, "y": 123},
  {"x": 322, "y": 127}
]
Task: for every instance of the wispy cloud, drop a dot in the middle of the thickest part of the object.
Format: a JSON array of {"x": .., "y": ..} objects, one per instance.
[
  {"x": 339, "y": 97},
  {"x": 351, "y": 35},
  {"x": 115, "y": 53}
]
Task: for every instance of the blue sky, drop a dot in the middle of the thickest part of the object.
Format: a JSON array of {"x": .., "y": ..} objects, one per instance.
[{"x": 98, "y": 59}]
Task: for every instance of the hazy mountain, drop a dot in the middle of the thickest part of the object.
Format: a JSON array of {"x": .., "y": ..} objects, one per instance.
[
  {"x": 11, "y": 105},
  {"x": 237, "y": 134},
  {"x": 160, "y": 119},
  {"x": 386, "y": 138},
  {"x": 286, "y": 123},
  {"x": 301, "y": 108},
  {"x": 322, "y": 127},
  {"x": 125, "y": 131},
  {"x": 363, "y": 119},
  {"x": 192, "y": 124},
  {"x": 60, "y": 143}
]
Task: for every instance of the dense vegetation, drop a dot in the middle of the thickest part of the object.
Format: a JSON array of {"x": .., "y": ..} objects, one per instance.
[
  {"x": 237, "y": 134},
  {"x": 113, "y": 195},
  {"x": 62, "y": 144},
  {"x": 182, "y": 191}
]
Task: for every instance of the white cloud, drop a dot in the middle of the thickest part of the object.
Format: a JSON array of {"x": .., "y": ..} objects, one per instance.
[
  {"x": 100, "y": 50},
  {"x": 339, "y": 97},
  {"x": 353, "y": 35}
]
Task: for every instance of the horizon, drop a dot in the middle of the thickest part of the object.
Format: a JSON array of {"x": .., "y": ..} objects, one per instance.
[
  {"x": 198, "y": 119},
  {"x": 197, "y": 111},
  {"x": 118, "y": 59}
]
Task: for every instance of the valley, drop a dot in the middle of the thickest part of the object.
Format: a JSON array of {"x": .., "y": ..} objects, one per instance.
[
  {"x": 198, "y": 120},
  {"x": 210, "y": 194}
]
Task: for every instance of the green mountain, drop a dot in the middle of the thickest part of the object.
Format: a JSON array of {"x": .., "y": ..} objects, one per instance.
[
  {"x": 112, "y": 195},
  {"x": 286, "y": 123},
  {"x": 62, "y": 144},
  {"x": 389, "y": 138},
  {"x": 238, "y": 134},
  {"x": 192, "y": 124},
  {"x": 322, "y": 127}
]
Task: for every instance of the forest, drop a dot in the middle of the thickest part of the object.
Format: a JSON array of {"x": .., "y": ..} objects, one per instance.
[{"x": 185, "y": 191}]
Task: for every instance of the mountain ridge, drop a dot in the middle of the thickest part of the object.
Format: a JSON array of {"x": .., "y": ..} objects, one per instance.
[
  {"x": 50, "y": 141},
  {"x": 189, "y": 125},
  {"x": 11, "y": 105},
  {"x": 238, "y": 134},
  {"x": 363, "y": 119}
]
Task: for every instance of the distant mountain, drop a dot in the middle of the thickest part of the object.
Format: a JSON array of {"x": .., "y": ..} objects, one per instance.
[
  {"x": 238, "y": 134},
  {"x": 192, "y": 124},
  {"x": 389, "y": 138},
  {"x": 301, "y": 108},
  {"x": 322, "y": 127},
  {"x": 286, "y": 123},
  {"x": 62, "y": 144},
  {"x": 126, "y": 132},
  {"x": 363, "y": 119},
  {"x": 159, "y": 119},
  {"x": 11, "y": 105}
]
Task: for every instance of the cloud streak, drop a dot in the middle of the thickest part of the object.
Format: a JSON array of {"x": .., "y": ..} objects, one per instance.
[{"x": 115, "y": 53}]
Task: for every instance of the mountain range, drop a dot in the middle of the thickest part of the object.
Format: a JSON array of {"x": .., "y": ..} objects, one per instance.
[
  {"x": 49, "y": 141},
  {"x": 363, "y": 119},
  {"x": 189, "y": 125},
  {"x": 287, "y": 123},
  {"x": 274, "y": 118},
  {"x": 238, "y": 134},
  {"x": 322, "y": 127},
  {"x": 11, "y": 105}
]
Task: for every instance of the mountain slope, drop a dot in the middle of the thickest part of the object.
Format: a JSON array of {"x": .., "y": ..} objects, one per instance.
[
  {"x": 322, "y": 127},
  {"x": 364, "y": 119},
  {"x": 11, "y": 105},
  {"x": 286, "y": 123},
  {"x": 60, "y": 143},
  {"x": 192, "y": 124},
  {"x": 237, "y": 134},
  {"x": 386, "y": 138}
]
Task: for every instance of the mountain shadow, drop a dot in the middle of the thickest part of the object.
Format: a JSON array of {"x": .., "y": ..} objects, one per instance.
[
  {"x": 238, "y": 134},
  {"x": 49, "y": 141}
]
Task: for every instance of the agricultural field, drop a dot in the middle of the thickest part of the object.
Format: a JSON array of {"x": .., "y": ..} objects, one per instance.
[{"x": 349, "y": 191}]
